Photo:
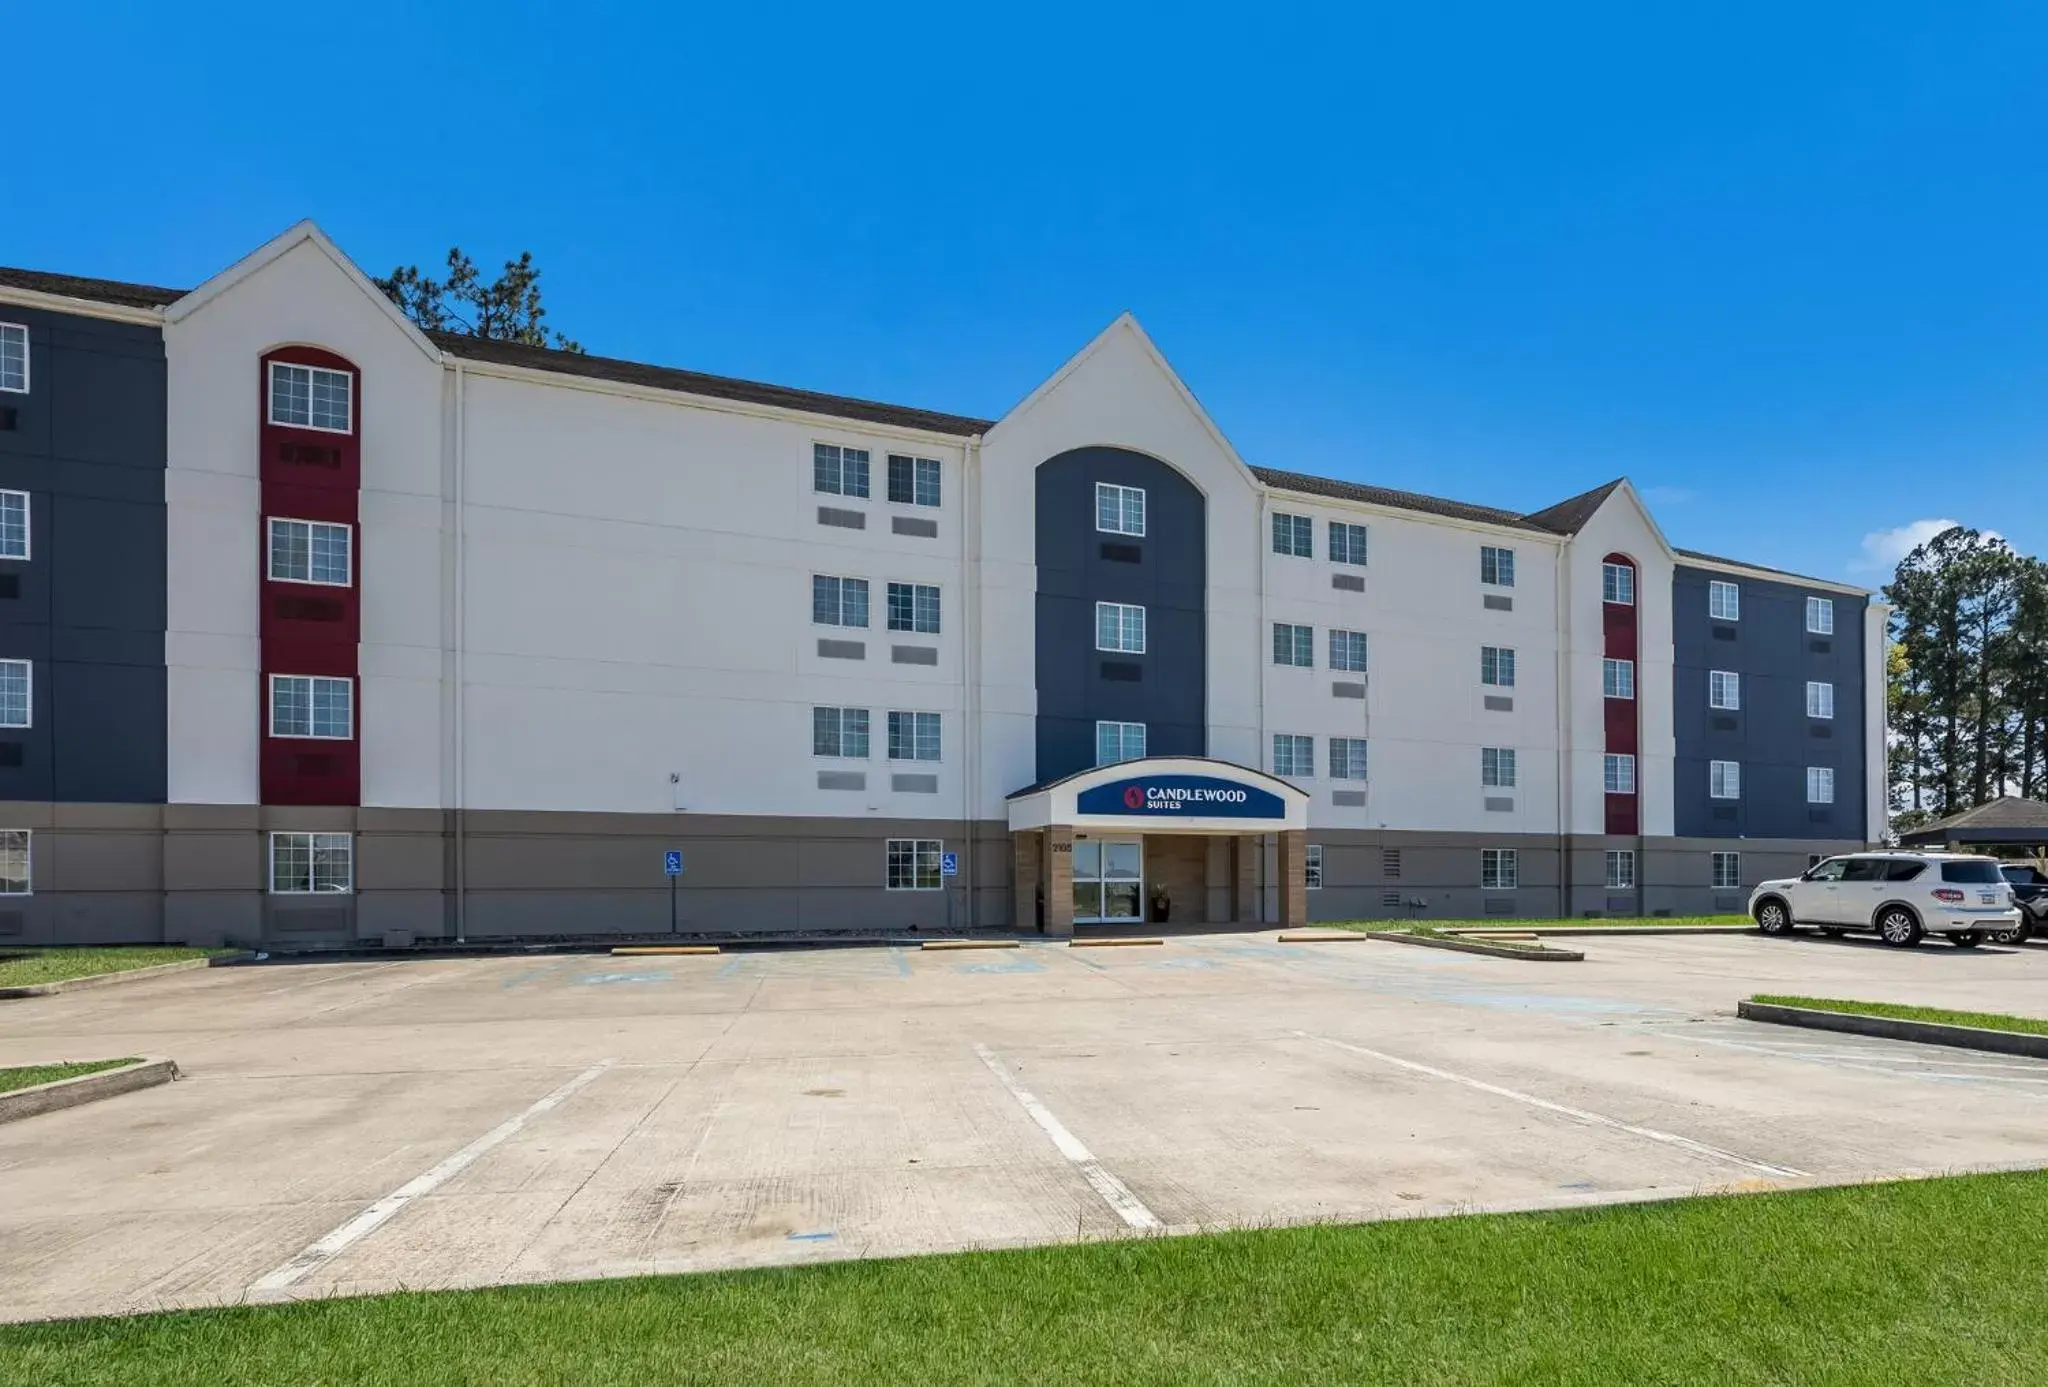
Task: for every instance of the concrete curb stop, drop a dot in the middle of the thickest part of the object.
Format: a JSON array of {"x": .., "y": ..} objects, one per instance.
[
  {"x": 85, "y": 1088},
  {"x": 1891, "y": 1028},
  {"x": 1468, "y": 946},
  {"x": 155, "y": 970},
  {"x": 1343, "y": 937},
  {"x": 968, "y": 944},
  {"x": 1111, "y": 943},
  {"x": 662, "y": 950}
]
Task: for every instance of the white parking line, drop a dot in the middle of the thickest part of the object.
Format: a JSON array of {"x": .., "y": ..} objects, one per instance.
[
  {"x": 325, "y": 1250},
  {"x": 1114, "y": 1192},
  {"x": 1576, "y": 1114}
]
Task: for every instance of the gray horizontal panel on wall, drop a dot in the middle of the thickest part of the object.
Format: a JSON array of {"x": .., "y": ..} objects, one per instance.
[
  {"x": 1349, "y": 799},
  {"x": 1345, "y": 688},
  {"x": 913, "y": 525},
  {"x": 12, "y": 922},
  {"x": 842, "y": 650},
  {"x": 1727, "y": 902},
  {"x": 1621, "y": 905},
  {"x": 844, "y": 519},
  {"x": 1499, "y": 703},
  {"x": 913, "y": 655},
  {"x": 915, "y": 784},
  {"x": 295, "y": 921},
  {"x": 1500, "y": 905},
  {"x": 1496, "y": 603},
  {"x": 1347, "y": 582},
  {"x": 842, "y": 780},
  {"x": 1499, "y": 804}
]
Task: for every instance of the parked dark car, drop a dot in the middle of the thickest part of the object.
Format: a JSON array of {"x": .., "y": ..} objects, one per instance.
[{"x": 2030, "y": 891}]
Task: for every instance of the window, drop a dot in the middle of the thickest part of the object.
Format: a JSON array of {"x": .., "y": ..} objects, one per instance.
[
  {"x": 1621, "y": 870},
  {"x": 1497, "y": 767},
  {"x": 307, "y": 551},
  {"x": 913, "y": 481},
  {"x": 914, "y": 607},
  {"x": 312, "y": 864},
  {"x": 1982, "y": 872},
  {"x": 1347, "y": 651},
  {"x": 1500, "y": 869},
  {"x": 1294, "y": 535},
  {"x": 1727, "y": 870},
  {"x": 1119, "y": 510},
  {"x": 1820, "y": 616},
  {"x": 1618, "y": 678},
  {"x": 14, "y": 358},
  {"x": 1120, "y": 627},
  {"x": 913, "y": 736},
  {"x": 310, "y": 397},
  {"x": 13, "y": 524},
  {"x": 1496, "y": 566},
  {"x": 1294, "y": 755},
  {"x": 1294, "y": 645},
  {"x": 1618, "y": 584},
  {"x": 914, "y": 864},
  {"x": 1312, "y": 865},
  {"x": 16, "y": 688},
  {"x": 1497, "y": 666},
  {"x": 1618, "y": 773},
  {"x": 839, "y": 601},
  {"x": 14, "y": 873},
  {"x": 1347, "y": 758},
  {"x": 303, "y": 705},
  {"x": 1724, "y": 689},
  {"x": 1347, "y": 543},
  {"x": 1119, "y": 741},
  {"x": 841, "y": 732},
  {"x": 839, "y": 471},
  {"x": 1724, "y": 601},
  {"x": 1820, "y": 785},
  {"x": 1724, "y": 779},
  {"x": 1820, "y": 700}
]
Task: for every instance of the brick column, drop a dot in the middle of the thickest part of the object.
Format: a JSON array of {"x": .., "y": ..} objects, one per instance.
[
  {"x": 1025, "y": 873},
  {"x": 1293, "y": 878},
  {"x": 1244, "y": 904},
  {"x": 1059, "y": 880}
]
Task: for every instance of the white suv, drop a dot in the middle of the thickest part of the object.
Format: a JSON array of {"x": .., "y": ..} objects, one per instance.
[{"x": 1904, "y": 896}]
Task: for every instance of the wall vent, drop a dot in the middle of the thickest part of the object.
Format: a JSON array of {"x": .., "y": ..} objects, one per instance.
[
  {"x": 1123, "y": 671},
  {"x": 1726, "y": 813},
  {"x": 307, "y": 609},
  {"x": 309, "y": 921},
  {"x": 913, "y": 525},
  {"x": 1820, "y": 729},
  {"x": 1390, "y": 864},
  {"x": 1621, "y": 905},
  {"x": 308, "y": 455},
  {"x": 10, "y": 420},
  {"x": 10, "y": 585},
  {"x": 843, "y": 519},
  {"x": 913, "y": 655},
  {"x": 1347, "y": 582},
  {"x": 842, "y": 780},
  {"x": 1724, "y": 633},
  {"x": 1123, "y": 553},
  {"x": 1499, "y": 703},
  {"x": 1820, "y": 816},
  {"x": 1499, "y": 804},
  {"x": 316, "y": 764},
  {"x": 1724, "y": 724},
  {"x": 1347, "y": 688},
  {"x": 10, "y": 753},
  {"x": 1821, "y": 647},
  {"x": 915, "y": 784},
  {"x": 1348, "y": 799},
  {"x": 1390, "y": 899},
  {"x": 1500, "y": 905},
  {"x": 842, "y": 650},
  {"x": 12, "y": 922},
  {"x": 1494, "y": 602}
]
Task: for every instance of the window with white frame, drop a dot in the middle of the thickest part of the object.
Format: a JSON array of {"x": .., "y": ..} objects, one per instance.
[
  {"x": 310, "y": 397},
  {"x": 1312, "y": 865},
  {"x": 1820, "y": 785},
  {"x": 1618, "y": 678},
  {"x": 1294, "y": 645},
  {"x": 913, "y": 736},
  {"x": 1497, "y": 767},
  {"x": 1621, "y": 870},
  {"x": 1618, "y": 584},
  {"x": 311, "y": 705},
  {"x": 1820, "y": 616},
  {"x": 1724, "y": 601},
  {"x": 1120, "y": 627},
  {"x": 1618, "y": 774},
  {"x": 1496, "y": 566},
  {"x": 1347, "y": 651},
  {"x": 1724, "y": 689},
  {"x": 1294, "y": 755},
  {"x": 14, "y": 358},
  {"x": 839, "y": 601},
  {"x": 14, "y": 862},
  {"x": 1119, "y": 510},
  {"x": 1119, "y": 741},
  {"x": 914, "y": 864},
  {"x": 913, "y": 481},
  {"x": 1347, "y": 543},
  {"x": 17, "y": 693},
  {"x": 312, "y": 864},
  {"x": 1348, "y": 758},
  {"x": 310, "y": 551},
  {"x": 914, "y": 607},
  {"x": 839, "y": 471},
  {"x": 1294, "y": 535},
  {"x": 1497, "y": 666},
  {"x": 840, "y": 732},
  {"x": 1727, "y": 867},
  {"x": 13, "y": 524},
  {"x": 1820, "y": 700},
  {"x": 1500, "y": 869},
  {"x": 1724, "y": 779}
]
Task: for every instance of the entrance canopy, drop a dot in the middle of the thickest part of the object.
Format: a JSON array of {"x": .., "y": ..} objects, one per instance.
[{"x": 1163, "y": 794}]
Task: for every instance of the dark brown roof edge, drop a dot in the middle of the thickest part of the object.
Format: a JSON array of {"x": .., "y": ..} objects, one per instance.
[
  {"x": 93, "y": 290},
  {"x": 1763, "y": 568},
  {"x": 1387, "y": 496},
  {"x": 1570, "y": 515}
]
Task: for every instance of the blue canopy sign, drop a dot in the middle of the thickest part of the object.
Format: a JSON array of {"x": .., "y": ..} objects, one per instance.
[{"x": 1186, "y": 796}]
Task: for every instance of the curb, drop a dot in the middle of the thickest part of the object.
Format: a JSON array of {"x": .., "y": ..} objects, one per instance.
[
  {"x": 1890, "y": 1028},
  {"x": 1345, "y": 938},
  {"x": 1467, "y": 946},
  {"x": 1610, "y": 931},
  {"x": 51, "y": 989},
  {"x": 1111, "y": 943},
  {"x": 86, "y": 1088},
  {"x": 968, "y": 944},
  {"x": 662, "y": 950}
]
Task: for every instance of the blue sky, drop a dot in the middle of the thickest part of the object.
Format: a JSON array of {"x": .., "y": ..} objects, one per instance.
[{"x": 1782, "y": 265}]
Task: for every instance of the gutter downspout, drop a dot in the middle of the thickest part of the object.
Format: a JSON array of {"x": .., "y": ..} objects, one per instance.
[{"x": 461, "y": 672}]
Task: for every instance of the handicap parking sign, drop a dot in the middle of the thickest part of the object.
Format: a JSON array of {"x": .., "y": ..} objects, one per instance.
[
  {"x": 672, "y": 862},
  {"x": 949, "y": 864}
]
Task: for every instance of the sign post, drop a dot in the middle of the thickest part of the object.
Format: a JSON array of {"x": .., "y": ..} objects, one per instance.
[
  {"x": 672, "y": 863},
  {"x": 949, "y": 868}
]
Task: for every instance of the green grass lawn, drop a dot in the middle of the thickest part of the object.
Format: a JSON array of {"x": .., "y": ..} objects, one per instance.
[
  {"x": 1917, "y": 1283},
  {"x": 58, "y": 965},
  {"x": 28, "y": 1076},
  {"x": 1985, "y": 1020}
]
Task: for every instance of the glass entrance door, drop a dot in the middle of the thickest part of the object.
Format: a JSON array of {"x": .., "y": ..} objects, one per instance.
[{"x": 1109, "y": 880}]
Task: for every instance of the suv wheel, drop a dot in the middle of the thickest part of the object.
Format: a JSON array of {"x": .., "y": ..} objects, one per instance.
[
  {"x": 1966, "y": 939},
  {"x": 1772, "y": 917},
  {"x": 2019, "y": 934},
  {"x": 1899, "y": 927}
]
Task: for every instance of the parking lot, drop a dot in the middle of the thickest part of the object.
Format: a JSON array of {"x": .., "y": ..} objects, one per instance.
[{"x": 362, "y": 1126}]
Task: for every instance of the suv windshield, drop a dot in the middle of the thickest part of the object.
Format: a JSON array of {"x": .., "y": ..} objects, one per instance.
[{"x": 1972, "y": 873}]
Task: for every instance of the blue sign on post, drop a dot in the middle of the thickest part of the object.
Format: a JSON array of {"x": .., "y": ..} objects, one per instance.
[
  {"x": 949, "y": 864},
  {"x": 672, "y": 862}
]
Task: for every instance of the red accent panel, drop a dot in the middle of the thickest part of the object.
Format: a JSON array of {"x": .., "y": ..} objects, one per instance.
[
  {"x": 1621, "y": 815},
  {"x": 305, "y": 628},
  {"x": 1621, "y": 724},
  {"x": 1620, "y": 641}
]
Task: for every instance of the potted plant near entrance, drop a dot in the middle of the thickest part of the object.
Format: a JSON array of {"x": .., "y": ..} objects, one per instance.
[{"x": 1162, "y": 903}]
